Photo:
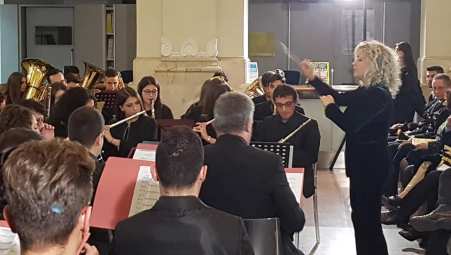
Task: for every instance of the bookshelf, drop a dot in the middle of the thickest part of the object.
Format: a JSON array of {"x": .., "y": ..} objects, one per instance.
[{"x": 110, "y": 40}]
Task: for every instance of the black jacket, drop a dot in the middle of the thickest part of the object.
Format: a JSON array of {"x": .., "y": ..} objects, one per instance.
[
  {"x": 409, "y": 99},
  {"x": 162, "y": 113},
  {"x": 306, "y": 142},
  {"x": 365, "y": 121},
  {"x": 250, "y": 183},
  {"x": 181, "y": 225},
  {"x": 143, "y": 129}
]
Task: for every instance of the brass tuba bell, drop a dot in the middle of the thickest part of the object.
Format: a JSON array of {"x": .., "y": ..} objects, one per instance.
[
  {"x": 92, "y": 74},
  {"x": 254, "y": 89},
  {"x": 36, "y": 71}
]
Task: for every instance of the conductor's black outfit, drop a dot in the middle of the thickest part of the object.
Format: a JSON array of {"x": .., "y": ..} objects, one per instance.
[{"x": 366, "y": 122}]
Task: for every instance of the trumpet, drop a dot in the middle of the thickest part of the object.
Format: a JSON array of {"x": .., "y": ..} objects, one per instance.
[{"x": 286, "y": 138}]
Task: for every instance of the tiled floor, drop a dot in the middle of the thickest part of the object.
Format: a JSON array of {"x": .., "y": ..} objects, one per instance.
[{"x": 336, "y": 232}]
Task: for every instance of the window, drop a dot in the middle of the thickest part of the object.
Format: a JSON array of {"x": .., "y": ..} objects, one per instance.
[{"x": 47, "y": 35}]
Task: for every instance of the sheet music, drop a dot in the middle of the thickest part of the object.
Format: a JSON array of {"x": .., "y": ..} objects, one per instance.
[
  {"x": 146, "y": 191},
  {"x": 442, "y": 167},
  {"x": 295, "y": 182},
  {"x": 141, "y": 154}
]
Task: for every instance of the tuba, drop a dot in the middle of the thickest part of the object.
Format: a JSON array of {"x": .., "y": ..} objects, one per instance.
[
  {"x": 254, "y": 89},
  {"x": 92, "y": 74},
  {"x": 36, "y": 71}
]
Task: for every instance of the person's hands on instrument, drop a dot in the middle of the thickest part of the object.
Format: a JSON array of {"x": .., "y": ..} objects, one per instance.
[
  {"x": 306, "y": 69},
  {"x": 48, "y": 131},
  {"x": 89, "y": 250},
  {"x": 422, "y": 146},
  {"x": 110, "y": 138},
  {"x": 201, "y": 128},
  {"x": 327, "y": 100}
]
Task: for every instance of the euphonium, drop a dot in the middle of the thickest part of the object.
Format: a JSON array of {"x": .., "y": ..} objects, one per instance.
[
  {"x": 254, "y": 89},
  {"x": 35, "y": 70},
  {"x": 92, "y": 74}
]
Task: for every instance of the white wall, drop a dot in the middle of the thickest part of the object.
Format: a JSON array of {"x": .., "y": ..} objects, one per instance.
[{"x": 9, "y": 59}]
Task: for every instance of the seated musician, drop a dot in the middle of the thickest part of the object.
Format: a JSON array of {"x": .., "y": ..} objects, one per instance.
[
  {"x": 243, "y": 180},
  {"x": 71, "y": 100},
  {"x": 202, "y": 112},
  {"x": 108, "y": 95},
  {"x": 48, "y": 206},
  {"x": 179, "y": 222},
  {"x": 56, "y": 75},
  {"x": 149, "y": 91},
  {"x": 46, "y": 130},
  {"x": 305, "y": 132},
  {"x": 122, "y": 138},
  {"x": 263, "y": 104},
  {"x": 16, "y": 87}
]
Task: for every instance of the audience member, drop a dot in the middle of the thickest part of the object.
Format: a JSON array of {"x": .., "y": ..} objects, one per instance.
[
  {"x": 180, "y": 222},
  {"x": 243, "y": 180},
  {"x": 286, "y": 121},
  {"x": 15, "y": 87},
  {"x": 149, "y": 91},
  {"x": 410, "y": 98},
  {"x": 58, "y": 90},
  {"x": 48, "y": 206}
]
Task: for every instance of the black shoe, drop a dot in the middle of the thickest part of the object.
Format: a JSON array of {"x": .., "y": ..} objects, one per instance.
[
  {"x": 392, "y": 202},
  {"x": 389, "y": 218},
  {"x": 411, "y": 234},
  {"x": 440, "y": 218}
]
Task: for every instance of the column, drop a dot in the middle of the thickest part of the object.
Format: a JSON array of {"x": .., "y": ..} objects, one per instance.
[
  {"x": 435, "y": 45},
  {"x": 183, "y": 42}
]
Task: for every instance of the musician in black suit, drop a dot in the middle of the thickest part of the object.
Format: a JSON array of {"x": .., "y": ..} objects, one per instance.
[
  {"x": 365, "y": 121},
  {"x": 179, "y": 223},
  {"x": 287, "y": 120},
  {"x": 245, "y": 181}
]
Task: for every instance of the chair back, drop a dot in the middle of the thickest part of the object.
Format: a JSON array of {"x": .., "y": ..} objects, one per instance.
[
  {"x": 264, "y": 235},
  {"x": 292, "y": 77}
]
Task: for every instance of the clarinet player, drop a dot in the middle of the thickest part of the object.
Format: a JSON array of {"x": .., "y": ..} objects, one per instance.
[
  {"x": 365, "y": 121},
  {"x": 296, "y": 129}
]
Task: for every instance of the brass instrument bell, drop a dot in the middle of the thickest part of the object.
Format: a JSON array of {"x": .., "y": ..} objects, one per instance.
[
  {"x": 36, "y": 71},
  {"x": 92, "y": 74}
]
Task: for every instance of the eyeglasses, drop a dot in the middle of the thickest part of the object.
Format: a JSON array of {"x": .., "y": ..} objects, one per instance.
[
  {"x": 152, "y": 91},
  {"x": 287, "y": 104}
]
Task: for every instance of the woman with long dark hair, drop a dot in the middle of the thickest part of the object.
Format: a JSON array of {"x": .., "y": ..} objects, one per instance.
[
  {"x": 149, "y": 90},
  {"x": 122, "y": 138},
  {"x": 15, "y": 87},
  {"x": 202, "y": 112},
  {"x": 71, "y": 100},
  {"x": 410, "y": 98}
]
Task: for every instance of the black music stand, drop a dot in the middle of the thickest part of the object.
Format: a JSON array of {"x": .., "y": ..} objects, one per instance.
[{"x": 285, "y": 151}]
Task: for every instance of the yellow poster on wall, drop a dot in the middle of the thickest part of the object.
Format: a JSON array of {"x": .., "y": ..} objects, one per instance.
[
  {"x": 261, "y": 44},
  {"x": 322, "y": 69}
]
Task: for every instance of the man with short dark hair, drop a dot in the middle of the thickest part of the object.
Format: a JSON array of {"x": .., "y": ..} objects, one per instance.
[
  {"x": 263, "y": 104},
  {"x": 431, "y": 71},
  {"x": 111, "y": 80},
  {"x": 243, "y": 180},
  {"x": 48, "y": 206},
  {"x": 55, "y": 75},
  {"x": 86, "y": 126},
  {"x": 287, "y": 120},
  {"x": 179, "y": 223}
]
